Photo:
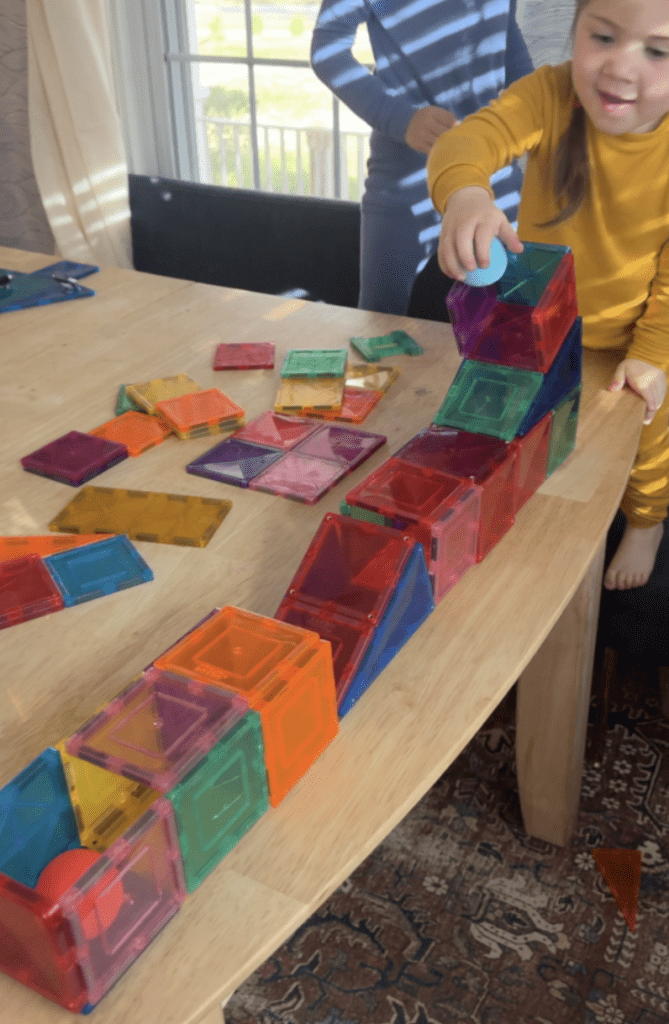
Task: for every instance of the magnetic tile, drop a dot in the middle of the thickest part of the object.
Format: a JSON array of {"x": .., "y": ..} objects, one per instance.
[
  {"x": 74, "y": 458},
  {"x": 393, "y": 344},
  {"x": 316, "y": 393},
  {"x": 299, "y": 477},
  {"x": 50, "y": 544},
  {"x": 162, "y": 388},
  {"x": 234, "y": 462},
  {"x": 200, "y": 412},
  {"x": 370, "y": 376},
  {"x": 338, "y": 444},
  {"x": 137, "y": 431},
  {"x": 306, "y": 362},
  {"x": 356, "y": 406},
  {"x": 276, "y": 431},
  {"x": 245, "y": 356},
  {"x": 84, "y": 573},
  {"x": 26, "y": 591}
]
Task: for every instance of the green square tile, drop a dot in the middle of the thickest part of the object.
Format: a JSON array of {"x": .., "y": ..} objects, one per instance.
[
  {"x": 219, "y": 801},
  {"x": 396, "y": 343},
  {"x": 314, "y": 362},
  {"x": 488, "y": 399}
]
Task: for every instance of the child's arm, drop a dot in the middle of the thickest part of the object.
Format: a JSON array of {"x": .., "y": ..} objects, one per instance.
[
  {"x": 471, "y": 221},
  {"x": 648, "y": 381}
]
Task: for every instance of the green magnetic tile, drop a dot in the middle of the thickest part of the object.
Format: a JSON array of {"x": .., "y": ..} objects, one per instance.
[
  {"x": 221, "y": 799},
  {"x": 365, "y": 514},
  {"x": 394, "y": 344},
  {"x": 563, "y": 430},
  {"x": 528, "y": 273},
  {"x": 143, "y": 515},
  {"x": 308, "y": 362},
  {"x": 124, "y": 403},
  {"x": 489, "y": 399}
]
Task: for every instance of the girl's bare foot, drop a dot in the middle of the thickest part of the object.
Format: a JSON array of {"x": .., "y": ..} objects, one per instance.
[{"x": 633, "y": 562}]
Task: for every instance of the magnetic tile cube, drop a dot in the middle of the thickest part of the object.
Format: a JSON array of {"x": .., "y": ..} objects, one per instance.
[
  {"x": 234, "y": 462},
  {"x": 84, "y": 573},
  {"x": 364, "y": 589},
  {"x": 535, "y": 308},
  {"x": 283, "y": 672},
  {"x": 488, "y": 399},
  {"x": 563, "y": 430},
  {"x": 74, "y": 458},
  {"x": 137, "y": 431},
  {"x": 73, "y": 948},
  {"x": 245, "y": 356},
  {"x": 487, "y": 462},
  {"x": 200, "y": 413},
  {"x": 36, "y": 819},
  {"x": 531, "y": 461},
  {"x": 27, "y": 590},
  {"x": 440, "y": 511},
  {"x": 276, "y": 431},
  {"x": 314, "y": 362},
  {"x": 143, "y": 515}
]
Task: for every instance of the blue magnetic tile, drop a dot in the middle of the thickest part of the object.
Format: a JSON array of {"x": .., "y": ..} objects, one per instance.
[
  {"x": 234, "y": 462},
  {"x": 563, "y": 376},
  {"x": 94, "y": 570},
  {"x": 36, "y": 819}
]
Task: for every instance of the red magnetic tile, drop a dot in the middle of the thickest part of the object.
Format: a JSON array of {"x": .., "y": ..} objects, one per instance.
[
  {"x": 245, "y": 356},
  {"x": 277, "y": 431},
  {"x": 26, "y": 591}
]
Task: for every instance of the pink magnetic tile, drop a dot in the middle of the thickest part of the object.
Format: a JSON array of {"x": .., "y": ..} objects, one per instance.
[
  {"x": 245, "y": 356},
  {"x": 356, "y": 407},
  {"x": 297, "y": 476},
  {"x": 277, "y": 431},
  {"x": 340, "y": 444}
]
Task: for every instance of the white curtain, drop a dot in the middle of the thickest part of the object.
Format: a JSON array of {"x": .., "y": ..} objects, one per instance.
[
  {"x": 545, "y": 25},
  {"x": 76, "y": 140}
]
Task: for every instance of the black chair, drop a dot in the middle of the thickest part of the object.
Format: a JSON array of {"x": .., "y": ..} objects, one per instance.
[
  {"x": 634, "y": 626},
  {"x": 259, "y": 241}
]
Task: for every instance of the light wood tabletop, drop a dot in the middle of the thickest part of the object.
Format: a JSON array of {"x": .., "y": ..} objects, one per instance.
[{"x": 528, "y": 610}]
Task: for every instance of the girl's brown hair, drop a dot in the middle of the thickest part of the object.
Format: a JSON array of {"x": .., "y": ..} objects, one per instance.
[{"x": 571, "y": 169}]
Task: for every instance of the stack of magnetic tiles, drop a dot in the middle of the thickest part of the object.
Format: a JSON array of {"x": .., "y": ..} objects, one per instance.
[{"x": 165, "y": 779}]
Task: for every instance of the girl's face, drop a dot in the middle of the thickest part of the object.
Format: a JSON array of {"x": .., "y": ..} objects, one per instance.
[{"x": 620, "y": 64}]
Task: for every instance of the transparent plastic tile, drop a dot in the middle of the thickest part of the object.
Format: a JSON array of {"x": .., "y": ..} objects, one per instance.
[
  {"x": 370, "y": 376},
  {"x": 356, "y": 406},
  {"x": 489, "y": 399},
  {"x": 17, "y": 547},
  {"x": 393, "y": 344},
  {"x": 234, "y": 462},
  {"x": 74, "y": 458},
  {"x": 158, "y": 729},
  {"x": 124, "y": 403},
  {"x": 143, "y": 515},
  {"x": 137, "y": 431},
  {"x": 337, "y": 444},
  {"x": 296, "y": 395},
  {"x": 300, "y": 477},
  {"x": 85, "y": 573},
  {"x": 563, "y": 430},
  {"x": 308, "y": 362},
  {"x": 188, "y": 414},
  {"x": 245, "y": 356},
  {"x": 27, "y": 591},
  {"x": 456, "y": 452},
  {"x": 531, "y": 461},
  {"x": 276, "y": 431},
  {"x": 162, "y": 388}
]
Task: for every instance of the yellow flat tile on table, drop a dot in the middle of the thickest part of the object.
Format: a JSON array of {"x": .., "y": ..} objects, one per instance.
[
  {"x": 297, "y": 395},
  {"x": 160, "y": 390}
]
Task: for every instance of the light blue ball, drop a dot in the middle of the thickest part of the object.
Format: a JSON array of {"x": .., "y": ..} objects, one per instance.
[{"x": 488, "y": 275}]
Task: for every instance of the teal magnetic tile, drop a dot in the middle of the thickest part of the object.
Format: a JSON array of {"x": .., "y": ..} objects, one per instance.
[
  {"x": 124, "y": 403},
  {"x": 563, "y": 430},
  {"x": 489, "y": 399},
  {"x": 94, "y": 570},
  {"x": 219, "y": 801},
  {"x": 528, "y": 273},
  {"x": 394, "y": 344},
  {"x": 314, "y": 362}
]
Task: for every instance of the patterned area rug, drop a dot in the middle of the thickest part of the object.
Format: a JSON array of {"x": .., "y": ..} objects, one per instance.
[{"x": 459, "y": 917}]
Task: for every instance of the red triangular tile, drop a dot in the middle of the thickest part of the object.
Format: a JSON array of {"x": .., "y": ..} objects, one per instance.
[{"x": 622, "y": 873}]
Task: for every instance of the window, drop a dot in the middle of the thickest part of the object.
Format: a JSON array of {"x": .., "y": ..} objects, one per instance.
[{"x": 227, "y": 96}]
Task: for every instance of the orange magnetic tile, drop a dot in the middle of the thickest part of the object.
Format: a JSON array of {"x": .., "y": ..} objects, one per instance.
[
  {"x": 137, "y": 431},
  {"x": 357, "y": 405},
  {"x": 201, "y": 409},
  {"x": 16, "y": 547},
  {"x": 622, "y": 873}
]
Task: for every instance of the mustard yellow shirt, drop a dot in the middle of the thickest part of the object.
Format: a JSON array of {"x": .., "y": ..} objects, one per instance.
[{"x": 620, "y": 233}]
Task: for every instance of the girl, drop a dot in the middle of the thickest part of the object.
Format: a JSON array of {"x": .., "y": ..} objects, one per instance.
[
  {"x": 597, "y": 180},
  {"x": 436, "y": 61}
]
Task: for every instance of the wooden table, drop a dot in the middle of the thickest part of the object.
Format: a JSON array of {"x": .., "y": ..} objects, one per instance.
[{"x": 528, "y": 610}]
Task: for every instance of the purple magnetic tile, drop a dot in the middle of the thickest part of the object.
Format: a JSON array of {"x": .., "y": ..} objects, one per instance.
[
  {"x": 301, "y": 477},
  {"x": 74, "y": 458},
  {"x": 339, "y": 444},
  {"x": 234, "y": 462},
  {"x": 252, "y": 355},
  {"x": 277, "y": 431}
]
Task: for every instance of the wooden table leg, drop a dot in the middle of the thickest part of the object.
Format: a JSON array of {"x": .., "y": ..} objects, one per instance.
[
  {"x": 552, "y": 715},
  {"x": 215, "y": 1016}
]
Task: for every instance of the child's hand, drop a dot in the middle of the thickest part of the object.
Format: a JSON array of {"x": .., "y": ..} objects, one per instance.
[
  {"x": 648, "y": 381},
  {"x": 425, "y": 127},
  {"x": 471, "y": 221}
]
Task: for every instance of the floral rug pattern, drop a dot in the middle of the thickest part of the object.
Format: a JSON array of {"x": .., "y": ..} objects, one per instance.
[{"x": 459, "y": 917}]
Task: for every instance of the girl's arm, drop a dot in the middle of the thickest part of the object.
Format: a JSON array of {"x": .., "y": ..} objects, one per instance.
[{"x": 333, "y": 62}]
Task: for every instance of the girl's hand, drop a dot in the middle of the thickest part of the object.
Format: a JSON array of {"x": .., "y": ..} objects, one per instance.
[
  {"x": 648, "y": 381},
  {"x": 425, "y": 127},
  {"x": 471, "y": 221}
]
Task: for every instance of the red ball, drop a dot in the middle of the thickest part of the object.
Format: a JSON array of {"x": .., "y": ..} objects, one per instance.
[{"x": 99, "y": 907}]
